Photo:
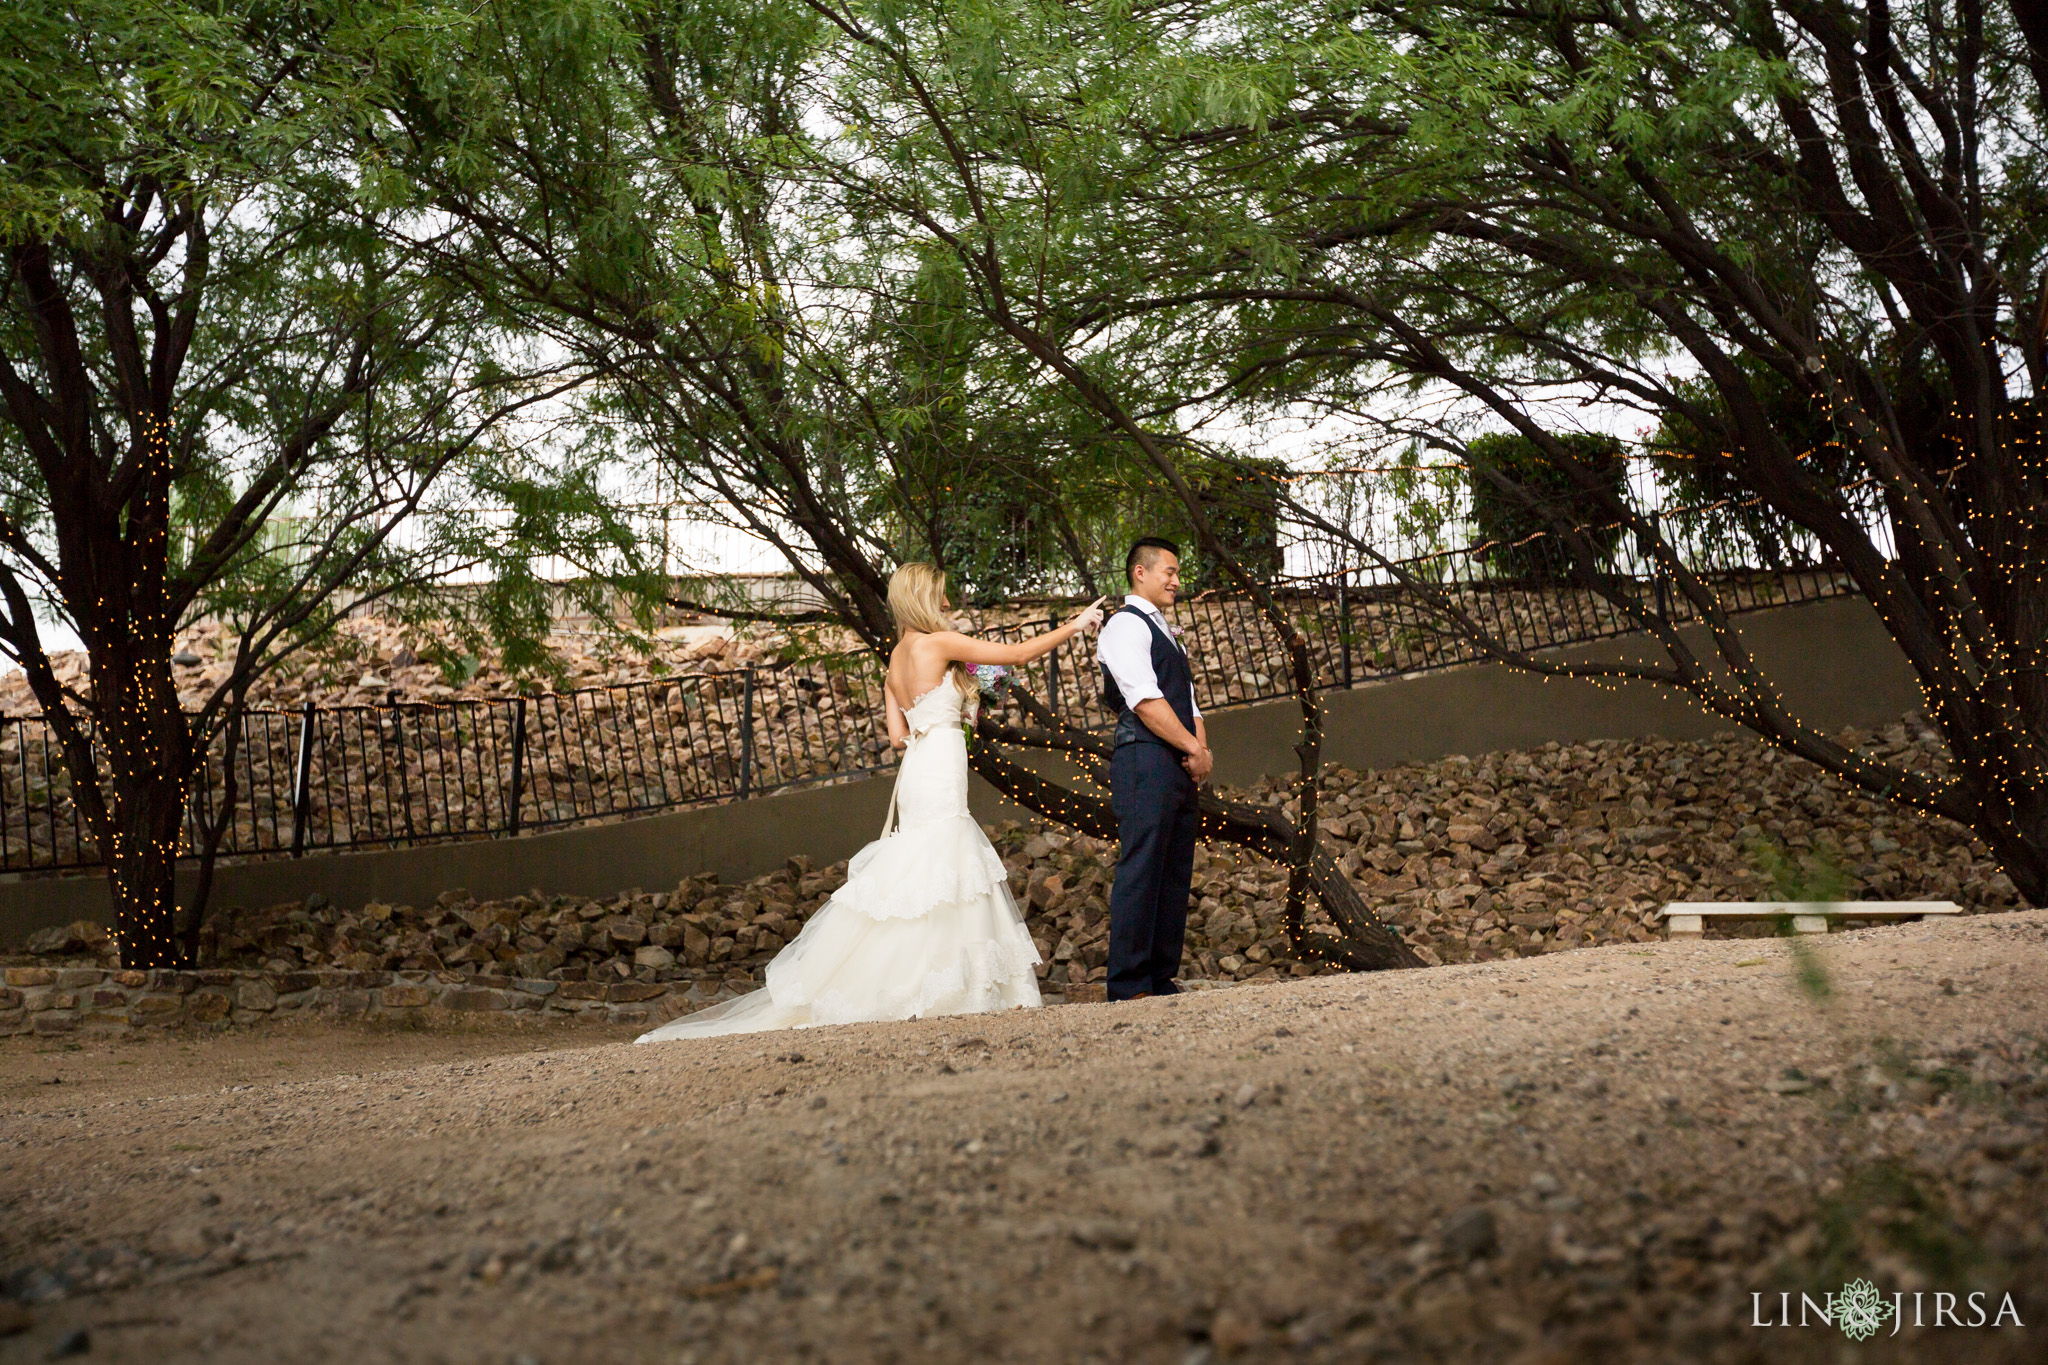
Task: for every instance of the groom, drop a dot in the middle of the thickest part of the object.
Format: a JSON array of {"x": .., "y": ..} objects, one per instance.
[{"x": 1161, "y": 757}]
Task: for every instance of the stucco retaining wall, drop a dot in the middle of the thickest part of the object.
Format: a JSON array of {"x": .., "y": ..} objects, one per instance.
[{"x": 1832, "y": 662}]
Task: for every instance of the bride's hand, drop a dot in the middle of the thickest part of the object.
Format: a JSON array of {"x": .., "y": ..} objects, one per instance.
[{"x": 1089, "y": 617}]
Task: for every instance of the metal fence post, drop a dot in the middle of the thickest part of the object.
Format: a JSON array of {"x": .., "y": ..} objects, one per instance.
[
  {"x": 747, "y": 734},
  {"x": 404, "y": 770},
  {"x": 1052, "y": 669},
  {"x": 302, "y": 780},
  {"x": 1344, "y": 624},
  {"x": 518, "y": 763}
]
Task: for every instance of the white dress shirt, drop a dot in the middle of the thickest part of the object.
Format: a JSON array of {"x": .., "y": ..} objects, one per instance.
[{"x": 1124, "y": 647}]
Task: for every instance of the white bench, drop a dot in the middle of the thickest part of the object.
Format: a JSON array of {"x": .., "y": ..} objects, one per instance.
[{"x": 1688, "y": 919}]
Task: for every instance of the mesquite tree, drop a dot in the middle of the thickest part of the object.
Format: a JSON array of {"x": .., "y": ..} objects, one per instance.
[
  {"x": 224, "y": 390},
  {"x": 647, "y": 188},
  {"x": 1443, "y": 219},
  {"x": 1686, "y": 209},
  {"x": 945, "y": 156}
]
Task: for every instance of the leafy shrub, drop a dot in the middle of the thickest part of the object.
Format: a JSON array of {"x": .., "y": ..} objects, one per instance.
[
  {"x": 1510, "y": 520},
  {"x": 1718, "y": 507}
]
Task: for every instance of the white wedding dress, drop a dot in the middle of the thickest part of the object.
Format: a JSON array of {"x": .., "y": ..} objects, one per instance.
[{"x": 925, "y": 924}]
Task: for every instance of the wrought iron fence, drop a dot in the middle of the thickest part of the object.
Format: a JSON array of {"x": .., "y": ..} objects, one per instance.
[
  {"x": 342, "y": 777},
  {"x": 1364, "y": 624}
]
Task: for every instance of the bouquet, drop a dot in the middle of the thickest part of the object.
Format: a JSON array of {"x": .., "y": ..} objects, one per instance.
[{"x": 991, "y": 679}]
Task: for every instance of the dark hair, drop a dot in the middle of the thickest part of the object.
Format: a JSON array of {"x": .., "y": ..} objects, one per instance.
[{"x": 1137, "y": 553}]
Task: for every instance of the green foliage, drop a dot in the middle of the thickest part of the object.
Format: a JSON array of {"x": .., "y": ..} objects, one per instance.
[
  {"x": 991, "y": 532},
  {"x": 320, "y": 376},
  {"x": 455, "y": 667},
  {"x": 1522, "y": 520},
  {"x": 1885, "y": 1208},
  {"x": 1808, "y": 971},
  {"x": 840, "y": 271},
  {"x": 242, "y": 369},
  {"x": 1242, "y": 502},
  {"x": 1429, "y": 503},
  {"x": 1715, "y": 488},
  {"x": 1814, "y": 876},
  {"x": 981, "y": 452},
  {"x": 1006, "y": 528}
]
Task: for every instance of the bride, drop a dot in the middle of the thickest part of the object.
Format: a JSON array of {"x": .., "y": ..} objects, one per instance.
[{"x": 925, "y": 924}]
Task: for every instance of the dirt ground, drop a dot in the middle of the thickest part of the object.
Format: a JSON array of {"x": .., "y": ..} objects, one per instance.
[{"x": 1587, "y": 1156}]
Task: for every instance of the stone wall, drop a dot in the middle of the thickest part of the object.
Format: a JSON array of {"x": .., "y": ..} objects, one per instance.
[{"x": 61, "y": 1001}]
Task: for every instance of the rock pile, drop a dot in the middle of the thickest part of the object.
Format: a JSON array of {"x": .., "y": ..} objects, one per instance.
[
  {"x": 1538, "y": 850},
  {"x": 1511, "y": 854},
  {"x": 435, "y": 770},
  {"x": 373, "y": 658},
  {"x": 699, "y": 930},
  {"x": 1237, "y": 654},
  {"x": 1566, "y": 845}
]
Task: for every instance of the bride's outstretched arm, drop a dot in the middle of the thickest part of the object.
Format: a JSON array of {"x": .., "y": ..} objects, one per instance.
[{"x": 972, "y": 649}]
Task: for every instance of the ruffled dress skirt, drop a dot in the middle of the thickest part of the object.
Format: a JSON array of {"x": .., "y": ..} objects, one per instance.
[{"x": 925, "y": 924}]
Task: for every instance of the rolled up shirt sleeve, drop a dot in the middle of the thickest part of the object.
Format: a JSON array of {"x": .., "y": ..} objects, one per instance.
[{"x": 1125, "y": 648}]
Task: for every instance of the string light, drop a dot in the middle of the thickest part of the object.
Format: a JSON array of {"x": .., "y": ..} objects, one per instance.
[{"x": 2003, "y": 771}]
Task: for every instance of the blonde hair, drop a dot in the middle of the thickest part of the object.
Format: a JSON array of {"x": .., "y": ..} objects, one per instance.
[{"x": 917, "y": 599}]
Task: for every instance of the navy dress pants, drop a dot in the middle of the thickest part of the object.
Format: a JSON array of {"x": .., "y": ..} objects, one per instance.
[{"x": 1156, "y": 819}]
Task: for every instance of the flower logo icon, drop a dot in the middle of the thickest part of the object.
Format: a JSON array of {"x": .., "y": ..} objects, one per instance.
[{"x": 1860, "y": 1310}]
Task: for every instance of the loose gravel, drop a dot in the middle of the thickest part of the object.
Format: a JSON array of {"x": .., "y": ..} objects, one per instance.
[{"x": 1597, "y": 1155}]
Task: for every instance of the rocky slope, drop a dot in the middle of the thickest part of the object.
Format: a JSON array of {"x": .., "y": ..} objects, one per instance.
[
  {"x": 415, "y": 737},
  {"x": 374, "y": 658},
  {"x": 1237, "y": 655}
]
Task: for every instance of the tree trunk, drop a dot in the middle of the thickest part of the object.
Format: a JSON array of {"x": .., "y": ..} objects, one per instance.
[
  {"x": 1363, "y": 941},
  {"x": 142, "y": 866},
  {"x": 2019, "y": 840},
  {"x": 145, "y": 746}
]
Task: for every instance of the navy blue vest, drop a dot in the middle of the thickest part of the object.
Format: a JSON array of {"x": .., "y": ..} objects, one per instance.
[{"x": 1169, "y": 670}]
